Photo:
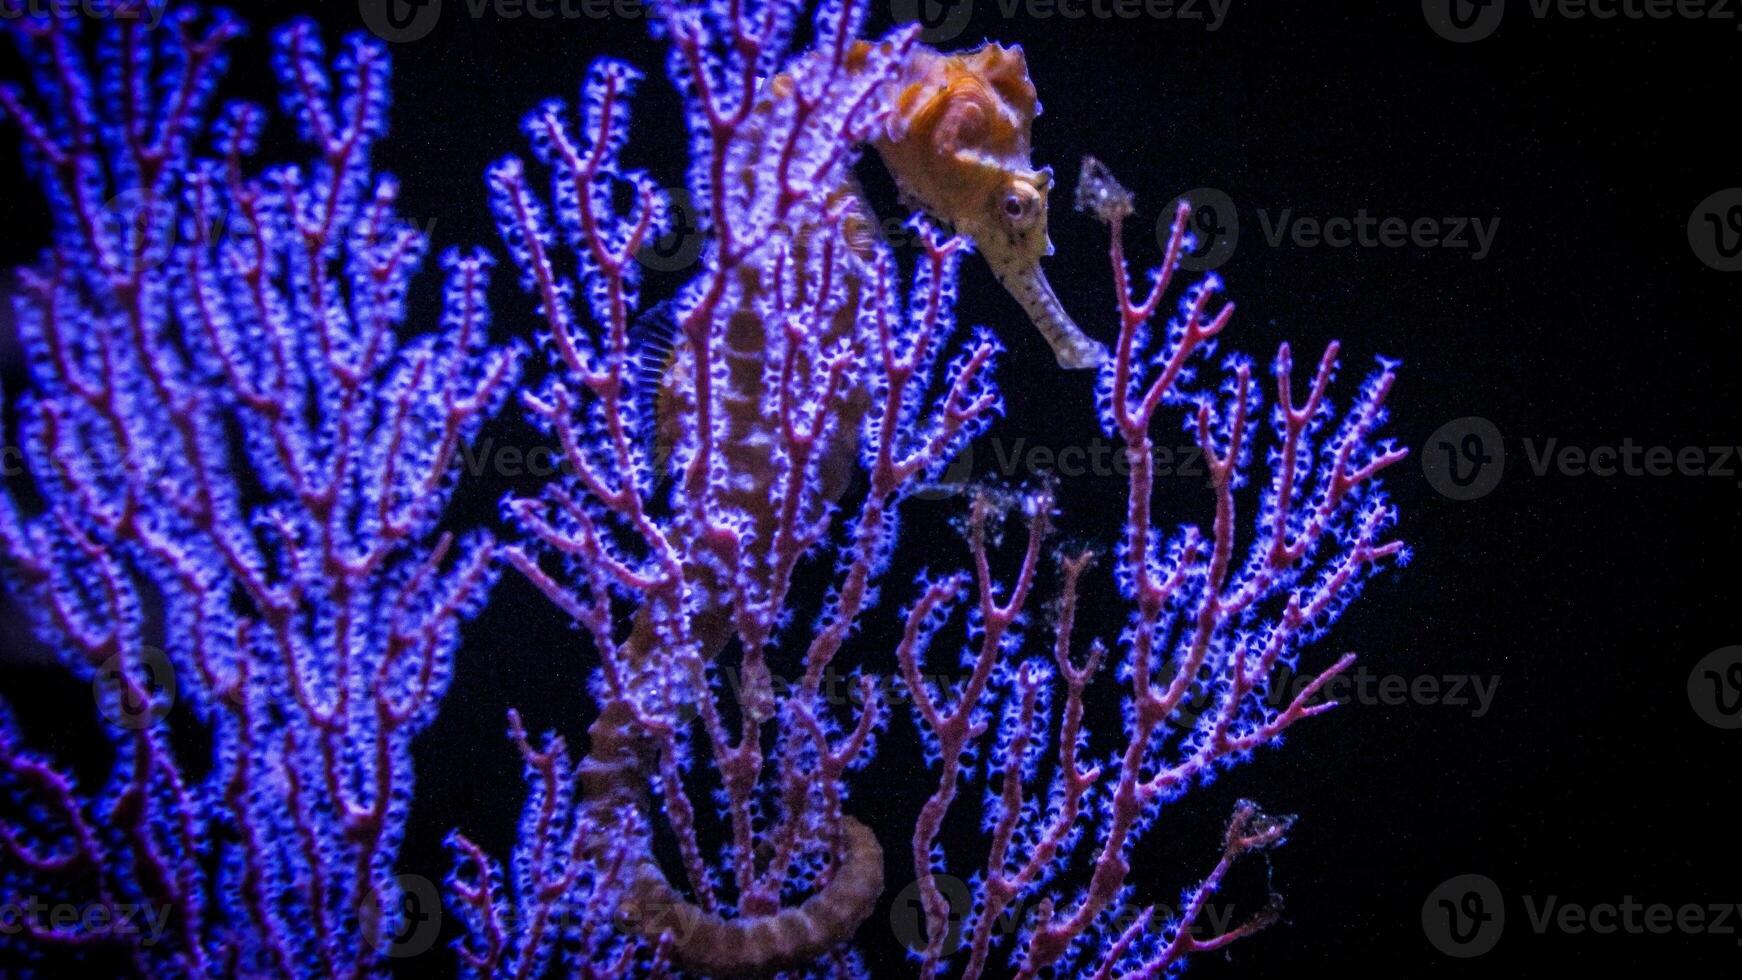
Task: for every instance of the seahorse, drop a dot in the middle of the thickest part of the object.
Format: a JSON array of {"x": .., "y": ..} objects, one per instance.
[{"x": 957, "y": 142}]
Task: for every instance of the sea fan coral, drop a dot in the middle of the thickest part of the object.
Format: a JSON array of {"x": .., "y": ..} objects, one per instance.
[{"x": 239, "y": 459}]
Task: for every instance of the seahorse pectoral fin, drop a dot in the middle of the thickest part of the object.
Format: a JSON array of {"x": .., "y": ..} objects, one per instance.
[{"x": 1027, "y": 283}]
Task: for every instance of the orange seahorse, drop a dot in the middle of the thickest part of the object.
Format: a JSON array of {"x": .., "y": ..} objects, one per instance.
[{"x": 956, "y": 141}]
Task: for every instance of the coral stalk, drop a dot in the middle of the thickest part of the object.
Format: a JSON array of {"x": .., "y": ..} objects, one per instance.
[{"x": 239, "y": 473}]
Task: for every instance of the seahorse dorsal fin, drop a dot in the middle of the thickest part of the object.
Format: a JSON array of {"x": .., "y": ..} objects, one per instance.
[{"x": 653, "y": 340}]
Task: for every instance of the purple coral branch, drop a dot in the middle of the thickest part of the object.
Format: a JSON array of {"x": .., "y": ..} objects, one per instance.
[
  {"x": 713, "y": 561},
  {"x": 1196, "y": 611},
  {"x": 292, "y": 586},
  {"x": 222, "y": 415},
  {"x": 710, "y": 545}
]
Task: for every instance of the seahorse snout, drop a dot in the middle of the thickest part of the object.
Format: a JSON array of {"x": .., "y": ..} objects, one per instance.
[{"x": 1026, "y": 282}]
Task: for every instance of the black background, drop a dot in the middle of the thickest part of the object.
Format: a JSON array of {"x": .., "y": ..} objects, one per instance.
[{"x": 1592, "y": 321}]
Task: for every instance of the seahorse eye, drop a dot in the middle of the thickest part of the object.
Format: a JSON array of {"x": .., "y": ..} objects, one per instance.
[{"x": 1013, "y": 206}]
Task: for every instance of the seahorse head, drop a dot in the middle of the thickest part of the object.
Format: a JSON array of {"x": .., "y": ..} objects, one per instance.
[{"x": 957, "y": 143}]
